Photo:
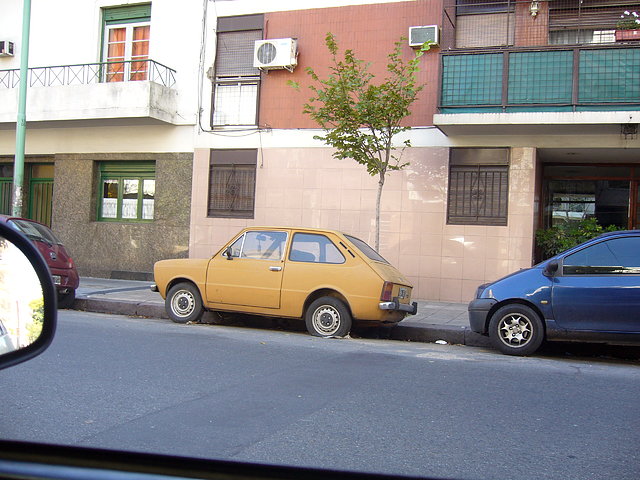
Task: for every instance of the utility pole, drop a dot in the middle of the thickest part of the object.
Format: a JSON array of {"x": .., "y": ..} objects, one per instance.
[{"x": 21, "y": 124}]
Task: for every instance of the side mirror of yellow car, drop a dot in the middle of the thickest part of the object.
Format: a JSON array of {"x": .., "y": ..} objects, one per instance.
[{"x": 227, "y": 253}]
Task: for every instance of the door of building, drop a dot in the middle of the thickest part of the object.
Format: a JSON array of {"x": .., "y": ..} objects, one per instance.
[
  {"x": 608, "y": 193},
  {"x": 40, "y": 201}
]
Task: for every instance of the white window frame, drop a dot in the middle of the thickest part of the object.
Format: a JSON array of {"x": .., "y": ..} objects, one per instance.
[{"x": 128, "y": 45}]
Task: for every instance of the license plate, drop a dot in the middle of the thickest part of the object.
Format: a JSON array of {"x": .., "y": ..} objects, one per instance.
[
  {"x": 403, "y": 293},
  {"x": 57, "y": 280}
]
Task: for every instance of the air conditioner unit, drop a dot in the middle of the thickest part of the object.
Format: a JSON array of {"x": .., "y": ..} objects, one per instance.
[
  {"x": 6, "y": 48},
  {"x": 425, "y": 33},
  {"x": 276, "y": 54}
]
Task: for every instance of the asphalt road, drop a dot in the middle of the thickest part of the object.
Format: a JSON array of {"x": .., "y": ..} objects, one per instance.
[{"x": 283, "y": 397}]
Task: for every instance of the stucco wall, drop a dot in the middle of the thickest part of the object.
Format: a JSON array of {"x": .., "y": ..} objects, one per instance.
[
  {"x": 121, "y": 250},
  {"x": 307, "y": 187}
]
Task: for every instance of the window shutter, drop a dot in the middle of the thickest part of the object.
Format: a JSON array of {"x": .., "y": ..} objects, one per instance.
[
  {"x": 133, "y": 13},
  {"x": 234, "y": 54}
]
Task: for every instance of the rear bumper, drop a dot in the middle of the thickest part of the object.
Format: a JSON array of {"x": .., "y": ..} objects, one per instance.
[
  {"x": 65, "y": 280},
  {"x": 410, "y": 309}
]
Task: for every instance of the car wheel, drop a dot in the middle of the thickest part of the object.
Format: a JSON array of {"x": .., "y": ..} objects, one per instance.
[
  {"x": 328, "y": 317},
  {"x": 65, "y": 300},
  {"x": 183, "y": 303},
  {"x": 516, "y": 330}
]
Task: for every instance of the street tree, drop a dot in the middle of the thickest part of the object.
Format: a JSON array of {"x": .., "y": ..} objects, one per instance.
[{"x": 361, "y": 118}]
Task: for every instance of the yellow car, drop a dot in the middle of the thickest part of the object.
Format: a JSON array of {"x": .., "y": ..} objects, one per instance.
[{"x": 326, "y": 277}]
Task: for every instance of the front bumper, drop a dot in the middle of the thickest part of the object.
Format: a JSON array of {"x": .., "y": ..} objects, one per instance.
[
  {"x": 478, "y": 312},
  {"x": 395, "y": 305}
]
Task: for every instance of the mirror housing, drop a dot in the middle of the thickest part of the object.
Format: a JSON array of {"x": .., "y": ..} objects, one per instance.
[
  {"x": 551, "y": 268},
  {"x": 18, "y": 247},
  {"x": 227, "y": 253}
]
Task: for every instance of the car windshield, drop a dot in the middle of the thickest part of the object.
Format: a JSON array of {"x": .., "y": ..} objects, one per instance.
[
  {"x": 34, "y": 231},
  {"x": 366, "y": 249}
]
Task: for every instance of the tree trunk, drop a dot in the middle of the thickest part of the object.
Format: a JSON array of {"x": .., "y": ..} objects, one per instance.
[{"x": 376, "y": 245}]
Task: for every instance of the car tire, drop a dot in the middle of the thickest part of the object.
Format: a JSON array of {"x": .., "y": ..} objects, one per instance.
[
  {"x": 184, "y": 303},
  {"x": 328, "y": 317},
  {"x": 65, "y": 300},
  {"x": 516, "y": 330}
]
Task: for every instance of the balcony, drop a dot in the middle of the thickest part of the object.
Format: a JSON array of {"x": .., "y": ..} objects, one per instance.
[
  {"x": 121, "y": 92},
  {"x": 521, "y": 90}
]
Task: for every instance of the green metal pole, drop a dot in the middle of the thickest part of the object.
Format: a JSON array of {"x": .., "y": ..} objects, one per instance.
[{"x": 21, "y": 125}]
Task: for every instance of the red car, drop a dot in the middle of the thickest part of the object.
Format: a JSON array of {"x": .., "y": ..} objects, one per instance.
[{"x": 63, "y": 270}]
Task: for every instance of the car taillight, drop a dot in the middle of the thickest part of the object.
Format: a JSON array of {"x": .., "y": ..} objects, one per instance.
[
  {"x": 387, "y": 292},
  {"x": 70, "y": 262}
]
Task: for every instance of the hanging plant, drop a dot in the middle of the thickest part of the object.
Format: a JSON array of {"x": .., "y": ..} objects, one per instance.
[{"x": 628, "y": 21}]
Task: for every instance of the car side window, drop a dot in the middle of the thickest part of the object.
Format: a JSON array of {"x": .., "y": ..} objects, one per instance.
[
  {"x": 263, "y": 245},
  {"x": 611, "y": 257},
  {"x": 236, "y": 247},
  {"x": 314, "y": 248}
]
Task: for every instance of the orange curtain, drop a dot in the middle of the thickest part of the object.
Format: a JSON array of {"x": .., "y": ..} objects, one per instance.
[
  {"x": 115, "y": 53},
  {"x": 140, "y": 51}
]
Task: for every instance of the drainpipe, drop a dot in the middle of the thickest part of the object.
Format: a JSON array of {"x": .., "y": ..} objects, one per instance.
[{"x": 21, "y": 124}]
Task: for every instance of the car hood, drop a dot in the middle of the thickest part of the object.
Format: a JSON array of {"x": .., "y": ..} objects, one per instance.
[{"x": 528, "y": 283}]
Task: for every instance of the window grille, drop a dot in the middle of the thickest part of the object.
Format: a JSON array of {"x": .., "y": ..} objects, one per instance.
[
  {"x": 232, "y": 183},
  {"x": 494, "y": 23},
  {"x": 478, "y": 187}
]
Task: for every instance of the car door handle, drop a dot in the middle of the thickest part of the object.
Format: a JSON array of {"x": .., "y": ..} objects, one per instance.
[{"x": 275, "y": 269}]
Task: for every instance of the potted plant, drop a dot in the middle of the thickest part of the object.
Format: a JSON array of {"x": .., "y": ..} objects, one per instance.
[{"x": 628, "y": 27}]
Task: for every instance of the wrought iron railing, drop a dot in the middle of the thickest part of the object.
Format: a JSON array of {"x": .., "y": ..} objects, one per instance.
[
  {"x": 92, "y": 73},
  {"x": 550, "y": 79},
  {"x": 494, "y": 23}
]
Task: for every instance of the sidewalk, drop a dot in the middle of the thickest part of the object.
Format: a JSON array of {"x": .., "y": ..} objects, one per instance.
[{"x": 434, "y": 320}]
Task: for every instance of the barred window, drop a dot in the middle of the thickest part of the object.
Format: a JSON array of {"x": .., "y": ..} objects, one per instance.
[
  {"x": 236, "y": 81},
  {"x": 478, "y": 186},
  {"x": 232, "y": 183}
]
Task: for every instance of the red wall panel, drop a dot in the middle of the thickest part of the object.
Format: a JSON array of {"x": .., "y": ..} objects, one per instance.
[{"x": 369, "y": 30}]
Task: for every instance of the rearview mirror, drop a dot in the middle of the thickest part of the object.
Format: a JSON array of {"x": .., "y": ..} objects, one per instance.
[
  {"x": 28, "y": 307},
  {"x": 551, "y": 268}
]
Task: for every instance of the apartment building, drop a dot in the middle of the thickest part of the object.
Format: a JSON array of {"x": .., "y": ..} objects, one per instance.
[
  {"x": 189, "y": 129},
  {"x": 111, "y": 109}
]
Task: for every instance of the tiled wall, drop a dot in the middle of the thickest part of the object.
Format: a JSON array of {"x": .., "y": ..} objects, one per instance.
[
  {"x": 369, "y": 30},
  {"x": 307, "y": 187}
]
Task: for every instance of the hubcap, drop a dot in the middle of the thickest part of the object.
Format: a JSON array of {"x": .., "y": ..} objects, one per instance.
[
  {"x": 326, "y": 320},
  {"x": 183, "y": 303},
  {"x": 515, "y": 330}
]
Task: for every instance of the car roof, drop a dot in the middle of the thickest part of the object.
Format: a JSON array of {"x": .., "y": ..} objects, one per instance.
[
  {"x": 5, "y": 218},
  {"x": 619, "y": 232},
  {"x": 301, "y": 229}
]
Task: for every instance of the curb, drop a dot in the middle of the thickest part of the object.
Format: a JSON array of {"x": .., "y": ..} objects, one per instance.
[
  {"x": 120, "y": 307},
  {"x": 455, "y": 335}
]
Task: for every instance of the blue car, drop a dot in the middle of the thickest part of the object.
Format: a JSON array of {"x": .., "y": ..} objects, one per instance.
[{"x": 588, "y": 293}]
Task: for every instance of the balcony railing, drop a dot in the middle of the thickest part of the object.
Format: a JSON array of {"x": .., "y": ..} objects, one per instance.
[
  {"x": 550, "y": 79},
  {"x": 92, "y": 73}
]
